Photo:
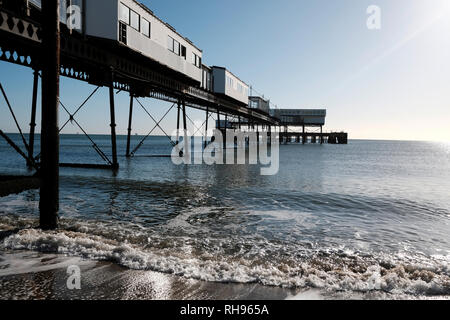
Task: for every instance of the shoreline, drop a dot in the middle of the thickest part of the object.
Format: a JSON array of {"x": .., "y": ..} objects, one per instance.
[
  {"x": 26, "y": 275},
  {"x": 30, "y": 275}
]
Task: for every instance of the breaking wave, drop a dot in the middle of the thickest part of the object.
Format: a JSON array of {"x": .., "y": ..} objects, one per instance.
[{"x": 237, "y": 259}]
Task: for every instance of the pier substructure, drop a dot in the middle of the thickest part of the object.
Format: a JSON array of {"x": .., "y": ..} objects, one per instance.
[{"x": 315, "y": 137}]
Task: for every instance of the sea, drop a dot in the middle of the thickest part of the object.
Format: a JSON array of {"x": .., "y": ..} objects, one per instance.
[{"x": 370, "y": 219}]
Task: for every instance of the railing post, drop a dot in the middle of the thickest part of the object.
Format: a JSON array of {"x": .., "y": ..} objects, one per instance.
[{"x": 49, "y": 173}]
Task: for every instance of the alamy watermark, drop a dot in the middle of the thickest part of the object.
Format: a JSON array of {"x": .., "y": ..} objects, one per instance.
[
  {"x": 73, "y": 17},
  {"x": 374, "y": 19},
  {"x": 74, "y": 279},
  {"x": 263, "y": 150}
]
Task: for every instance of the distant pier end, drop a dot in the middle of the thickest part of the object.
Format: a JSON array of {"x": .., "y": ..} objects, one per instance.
[
  {"x": 306, "y": 126},
  {"x": 294, "y": 125}
]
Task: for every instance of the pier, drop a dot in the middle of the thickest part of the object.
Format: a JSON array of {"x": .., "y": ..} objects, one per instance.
[{"x": 35, "y": 38}]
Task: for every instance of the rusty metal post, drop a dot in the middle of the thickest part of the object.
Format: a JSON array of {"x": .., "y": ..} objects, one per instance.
[
  {"x": 49, "y": 174},
  {"x": 130, "y": 121},
  {"x": 115, "y": 164},
  {"x": 33, "y": 118}
]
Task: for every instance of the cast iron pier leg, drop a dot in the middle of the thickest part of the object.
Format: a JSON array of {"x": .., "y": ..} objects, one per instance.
[
  {"x": 218, "y": 119},
  {"x": 321, "y": 135},
  {"x": 185, "y": 139},
  {"x": 130, "y": 120},
  {"x": 303, "y": 135},
  {"x": 33, "y": 117},
  {"x": 115, "y": 164},
  {"x": 49, "y": 174},
  {"x": 206, "y": 127},
  {"x": 178, "y": 123}
]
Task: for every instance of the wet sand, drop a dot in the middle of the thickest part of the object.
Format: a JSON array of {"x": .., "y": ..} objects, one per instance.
[{"x": 31, "y": 275}]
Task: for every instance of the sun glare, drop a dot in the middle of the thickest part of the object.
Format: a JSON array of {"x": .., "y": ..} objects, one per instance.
[{"x": 446, "y": 6}]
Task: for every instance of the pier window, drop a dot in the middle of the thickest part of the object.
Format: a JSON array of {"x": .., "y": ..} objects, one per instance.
[
  {"x": 196, "y": 60},
  {"x": 145, "y": 28},
  {"x": 240, "y": 88},
  {"x": 135, "y": 20},
  {"x": 173, "y": 45},
  {"x": 170, "y": 43},
  {"x": 129, "y": 17},
  {"x": 230, "y": 82},
  {"x": 176, "y": 47},
  {"x": 124, "y": 13}
]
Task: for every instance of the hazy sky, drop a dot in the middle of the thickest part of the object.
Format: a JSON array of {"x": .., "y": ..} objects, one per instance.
[{"x": 391, "y": 83}]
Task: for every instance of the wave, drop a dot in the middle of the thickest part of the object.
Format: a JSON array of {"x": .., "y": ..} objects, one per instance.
[{"x": 238, "y": 260}]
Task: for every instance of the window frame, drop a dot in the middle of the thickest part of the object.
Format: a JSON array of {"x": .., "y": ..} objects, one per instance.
[
  {"x": 149, "y": 35},
  {"x": 173, "y": 44},
  {"x": 196, "y": 60},
  {"x": 138, "y": 20},
  {"x": 129, "y": 13},
  {"x": 176, "y": 47},
  {"x": 170, "y": 44}
]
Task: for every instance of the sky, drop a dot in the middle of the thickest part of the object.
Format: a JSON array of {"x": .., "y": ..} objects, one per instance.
[{"x": 392, "y": 83}]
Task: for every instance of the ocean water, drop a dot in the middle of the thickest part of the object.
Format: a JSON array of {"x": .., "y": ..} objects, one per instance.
[{"x": 368, "y": 218}]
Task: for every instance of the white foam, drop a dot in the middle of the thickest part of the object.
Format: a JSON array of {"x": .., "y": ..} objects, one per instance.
[{"x": 330, "y": 272}]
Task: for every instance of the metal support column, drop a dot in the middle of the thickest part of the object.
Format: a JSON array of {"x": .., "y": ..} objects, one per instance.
[
  {"x": 33, "y": 117},
  {"x": 185, "y": 136},
  {"x": 321, "y": 135},
  {"x": 49, "y": 173},
  {"x": 303, "y": 135},
  {"x": 115, "y": 164},
  {"x": 130, "y": 121},
  {"x": 218, "y": 119},
  {"x": 178, "y": 122},
  {"x": 206, "y": 127}
]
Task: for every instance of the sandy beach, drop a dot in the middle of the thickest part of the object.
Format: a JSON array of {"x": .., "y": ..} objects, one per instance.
[{"x": 37, "y": 276}]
